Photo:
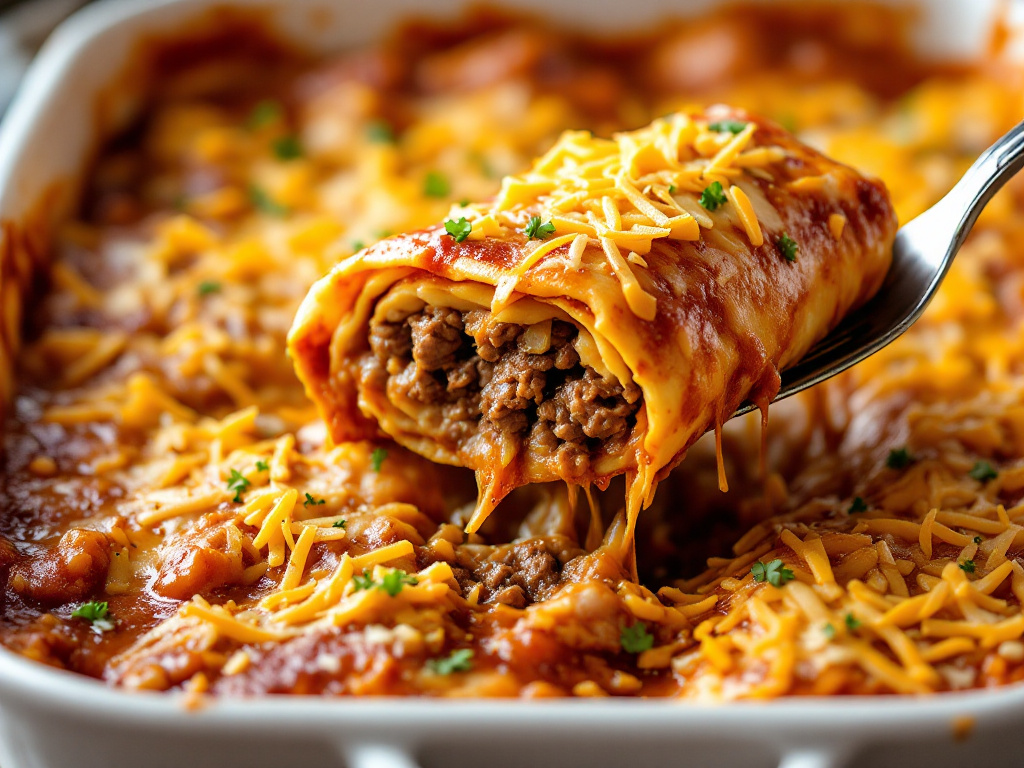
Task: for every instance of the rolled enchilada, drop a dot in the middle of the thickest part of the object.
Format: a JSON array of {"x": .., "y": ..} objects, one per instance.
[{"x": 608, "y": 307}]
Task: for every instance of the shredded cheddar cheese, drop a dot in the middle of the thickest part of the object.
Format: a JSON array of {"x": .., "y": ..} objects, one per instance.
[{"x": 624, "y": 194}]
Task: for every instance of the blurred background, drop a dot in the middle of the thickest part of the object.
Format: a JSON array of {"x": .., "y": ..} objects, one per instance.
[{"x": 24, "y": 25}]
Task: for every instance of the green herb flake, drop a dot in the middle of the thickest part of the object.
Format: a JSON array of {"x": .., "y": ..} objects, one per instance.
[
  {"x": 208, "y": 286},
  {"x": 264, "y": 202},
  {"x": 362, "y": 581},
  {"x": 436, "y": 185},
  {"x": 829, "y": 631},
  {"x": 287, "y": 148},
  {"x": 857, "y": 506},
  {"x": 262, "y": 465},
  {"x": 358, "y": 245},
  {"x": 983, "y": 471},
  {"x": 458, "y": 229},
  {"x": 96, "y": 613},
  {"x": 457, "y": 661},
  {"x": 238, "y": 483},
  {"x": 380, "y": 132},
  {"x": 312, "y": 501},
  {"x": 535, "y": 230},
  {"x": 978, "y": 539},
  {"x": 338, "y": 524},
  {"x": 727, "y": 126},
  {"x": 852, "y": 622},
  {"x": 377, "y": 458},
  {"x": 788, "y": 246},
  {"x": 393, "y": 581},
  {"x": 636, "y": 639},
  {"x": 899, "y": 458},
  {"x": 263, "y": 114},
  {"x": 671, "y": 189},
  {"x": 713, "y": 196},
  {"x": 775, "y": 573},
  {"x": 967, "y": 566}
]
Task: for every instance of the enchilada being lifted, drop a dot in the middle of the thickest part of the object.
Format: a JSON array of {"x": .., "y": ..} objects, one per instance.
[{"x": 608, "y": 307}]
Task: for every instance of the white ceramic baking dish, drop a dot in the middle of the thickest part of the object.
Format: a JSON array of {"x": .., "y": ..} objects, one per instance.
[{"x": 53, "y": 718}]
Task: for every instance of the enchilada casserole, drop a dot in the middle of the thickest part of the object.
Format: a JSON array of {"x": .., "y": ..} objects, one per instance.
[{"x": 176, "y": 516}]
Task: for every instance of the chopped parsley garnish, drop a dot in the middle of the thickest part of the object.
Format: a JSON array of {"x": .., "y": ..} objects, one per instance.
[
  {"x": 262, "y": 465},
  {"x": 534, "y": 229},
  {"x": 671, "y": 189},
  {"x": 287, "y": 148},
  {"x": 775, "y": 573},
  {"x": 377, "y": 458},
  {"x": 363, "y": 581},
  {"x": 264, "y": 114},
  {"x": 457, "y": 661},
  {"x": 338, "y": 524},
  {"x": 978, "y": 539},
  {"x": 208, "y": 286},
  {"x": 788, "y": 246},
  {"x": 312, "y": 501},
  {"x": 852, "y": 622},
  {"x": 393, "y": 581},
  {"x": 96, "y": 613},
  {"x": 458, "y": 229},
  {"x": 436, "y": 185},
  {"x": 264, "y": 202},
  {"x": 238, "y": 483},
  {"x": 967, "y": 566},
  {"x": 713, "y": 196},
  {"x": 636, "y": 639},
  {"x": 983, "y": 471},
  {"x": 727, "y": 126},
  {"x": 829, "y": 630},
  {"x": 358, "y": 245},
  {"x": 380, "y": 132},
  {"x": 899, "y": 458},
  {"x": 858, "y": 505}
]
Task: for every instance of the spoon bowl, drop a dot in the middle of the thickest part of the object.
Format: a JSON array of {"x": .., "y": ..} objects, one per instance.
[{"x": 922, "y": 254}]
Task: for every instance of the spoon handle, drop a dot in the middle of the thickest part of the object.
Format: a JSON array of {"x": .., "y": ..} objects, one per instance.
[{"x": 993, "y": 168}]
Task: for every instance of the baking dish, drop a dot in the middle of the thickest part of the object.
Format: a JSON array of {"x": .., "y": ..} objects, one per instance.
[{"x": 53, "y": 718}]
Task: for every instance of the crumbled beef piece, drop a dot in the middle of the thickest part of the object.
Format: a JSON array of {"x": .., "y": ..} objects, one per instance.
[
  {"x": 598, "y": 405},
  {"x": 391, "y": 342},
  {"x": 472, "y": 373},
  {"x": 528, "y": 566},
  {"x": 519, "y": 380},
  {"x": 436, "y": 337}
]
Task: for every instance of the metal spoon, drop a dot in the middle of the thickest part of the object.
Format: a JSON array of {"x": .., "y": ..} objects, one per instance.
[{"x": 921, "y": 255}]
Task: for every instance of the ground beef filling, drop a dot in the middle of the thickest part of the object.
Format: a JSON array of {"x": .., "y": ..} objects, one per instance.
[{"x": 493, "y": 376}]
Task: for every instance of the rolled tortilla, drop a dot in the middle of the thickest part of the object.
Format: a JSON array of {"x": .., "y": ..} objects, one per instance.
[{"x": 607, "y": 308}]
